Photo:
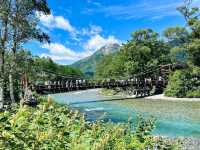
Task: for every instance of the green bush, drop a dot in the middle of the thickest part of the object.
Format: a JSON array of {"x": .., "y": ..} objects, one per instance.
[
  {"x": 176, "y": 84},
  {"x": 184, "y": 83},
  {"x": 194, "y": 93},
  {"x": 51, "y": 126}
]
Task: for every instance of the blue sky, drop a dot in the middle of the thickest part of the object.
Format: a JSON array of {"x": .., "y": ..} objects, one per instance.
[{"x": 78, "y": 28}]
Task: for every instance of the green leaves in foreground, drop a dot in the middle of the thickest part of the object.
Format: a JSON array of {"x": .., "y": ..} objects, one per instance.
[{"x": 51, "y": 126}]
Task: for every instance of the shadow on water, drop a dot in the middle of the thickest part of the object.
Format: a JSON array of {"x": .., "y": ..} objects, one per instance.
[{"x": 102, "y": 100}]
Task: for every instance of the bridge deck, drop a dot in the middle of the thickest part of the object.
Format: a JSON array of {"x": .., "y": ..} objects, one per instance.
[{"x": 142, "y": 83}]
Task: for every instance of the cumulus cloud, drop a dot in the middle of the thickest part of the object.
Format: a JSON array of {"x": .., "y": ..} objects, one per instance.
[
  {"x": 97, "y": 41},
  {"x": 58, "y": 49},
  {"x": 51, "y": 21},
  {"x": 58, "y": 52}
]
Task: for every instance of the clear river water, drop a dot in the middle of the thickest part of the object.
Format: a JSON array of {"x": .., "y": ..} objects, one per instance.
[{"x": 173, "y": 118}]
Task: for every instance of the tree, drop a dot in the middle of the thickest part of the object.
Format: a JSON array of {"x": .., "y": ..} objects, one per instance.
[
  {"x": 194, "y": 52},
  {"x": 23, "y": 26},
  {"x": 144, "y": 36},
  {"x": 4, "y": 22},
  {"x": 191, "y": 15},
  {"x": 137, "y": 55},
  {"x": 185, "y": 82},
  {"x": 144, "y": 50},
  {"x": 19, "y": 24},
  {"x": 178, "y": 54},
  {"x": 176, "y": 36}
]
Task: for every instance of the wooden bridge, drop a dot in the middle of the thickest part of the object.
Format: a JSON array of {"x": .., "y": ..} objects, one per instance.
[{"x": 149, "y": 82}]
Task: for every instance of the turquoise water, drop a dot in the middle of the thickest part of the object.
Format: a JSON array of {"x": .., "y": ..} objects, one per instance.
[{"x": 173, "y": 119}]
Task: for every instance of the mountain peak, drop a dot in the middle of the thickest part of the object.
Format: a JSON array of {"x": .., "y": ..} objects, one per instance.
[
  {"x": 109, "y": 48},
  {"x": 88, "y": 65}
]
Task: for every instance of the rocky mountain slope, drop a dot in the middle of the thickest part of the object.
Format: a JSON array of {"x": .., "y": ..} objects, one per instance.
[{"x": 88, "y": 65}]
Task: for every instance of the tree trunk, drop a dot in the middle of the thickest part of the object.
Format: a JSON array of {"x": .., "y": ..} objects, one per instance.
[
  {"x": 12, "y": 70},
  {"x": 2, "y": 65},
  {"x": 24, "y": 88},
  {"x": 3, "y": 38},
  {"x": 11, "y": 87},
  {"x": 1, "y": 97},
  {"x": 1, "y": 80},
  {"x": 13, "y": 56}
]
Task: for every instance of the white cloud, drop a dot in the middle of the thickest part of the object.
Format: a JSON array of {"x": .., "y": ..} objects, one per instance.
[
  {"x": 60, "y": 52},
  {"x": 51, "y": 21},
  {"x": 97, "y": 41},
  {"x": 55, "y": 57},
  {"x": 92, "y": 30},
  {"x": 58, "y": 49}
]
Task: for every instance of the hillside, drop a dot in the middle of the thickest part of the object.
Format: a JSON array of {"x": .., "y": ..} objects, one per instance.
[{"x": 87, "y": 65}]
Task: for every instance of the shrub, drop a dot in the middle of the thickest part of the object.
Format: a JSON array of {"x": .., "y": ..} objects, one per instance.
[
  {"x": 184, "y": 83},
  {"x": 51, "y": 126},
  {"x": 176, "y": 85},
  {"x": 194, "y": 93}
]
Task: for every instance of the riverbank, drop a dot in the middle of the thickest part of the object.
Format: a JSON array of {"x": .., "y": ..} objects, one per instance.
[
  {"x": 190, "y": 143},
  {"x": 111, "y": 92},
  {"x": 163, "y": 97}
]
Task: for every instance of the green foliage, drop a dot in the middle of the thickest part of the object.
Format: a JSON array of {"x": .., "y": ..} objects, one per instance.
[
  {"x": 35, "y": 68},
  {"x": 178, "y": 54},
  {"x": 176, "y": 36},
  {"x": 144, "y": 128},
  {"x": 184, "y": 83},
  {"x": 18, "y": 24},
  {"x": 191, "y": 14},
  {"x": 42, "y": 65},
  {"x": 176, "y": 85},
  {"x": 52, "y": 126},
  {"x": 111, "y": 66},
  {"x": 194, "y": 51},
  {"x": 145, "y": 49},
  {"x": 88, "y": 65},
  {"x": 193, "y": 93}
]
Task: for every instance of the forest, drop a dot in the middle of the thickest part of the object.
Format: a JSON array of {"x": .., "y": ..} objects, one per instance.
[{"x": 19, "y": 25}]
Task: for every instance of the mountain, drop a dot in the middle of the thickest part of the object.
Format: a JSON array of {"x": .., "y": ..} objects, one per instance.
[{"x": 88, "y": 64}]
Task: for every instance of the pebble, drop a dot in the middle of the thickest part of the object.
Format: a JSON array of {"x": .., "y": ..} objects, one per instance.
[{"x": 190, "y": 144}]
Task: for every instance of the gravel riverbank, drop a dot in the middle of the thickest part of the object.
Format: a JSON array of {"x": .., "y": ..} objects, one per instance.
[
  {"x": 190, "y": 144},
  {"x": 163, "y": 97}
]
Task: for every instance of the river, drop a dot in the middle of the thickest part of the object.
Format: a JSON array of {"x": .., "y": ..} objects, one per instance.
[{"x": 173, "y": 118}]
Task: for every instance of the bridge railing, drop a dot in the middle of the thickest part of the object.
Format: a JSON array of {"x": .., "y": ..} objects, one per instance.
[{"x": 142, "y": 82}]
